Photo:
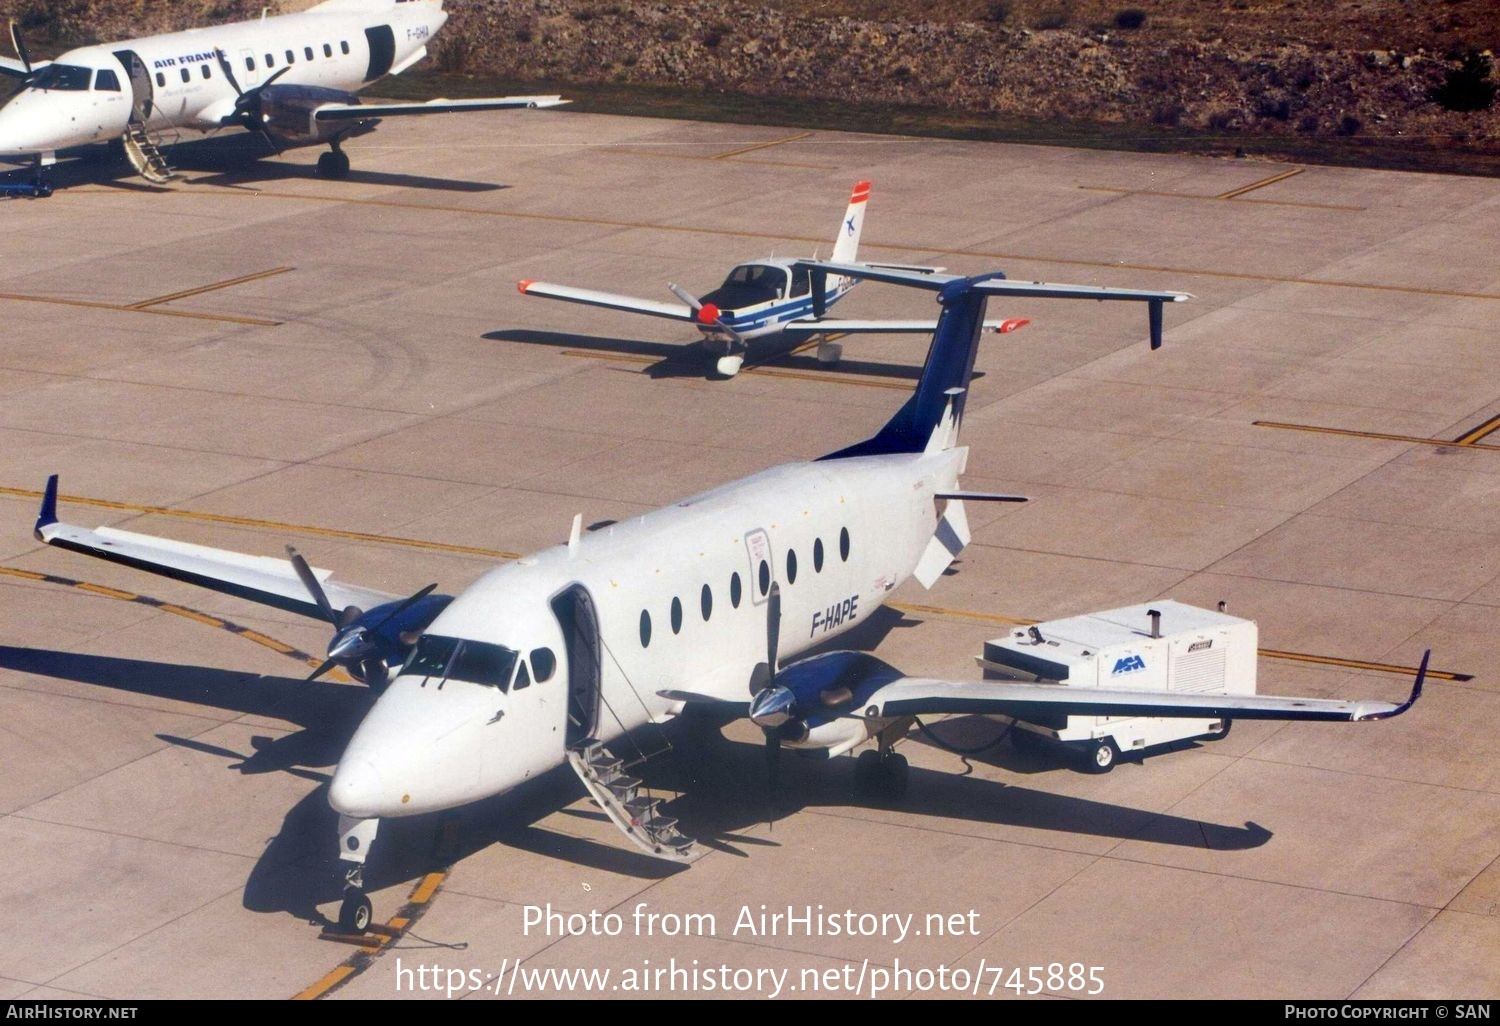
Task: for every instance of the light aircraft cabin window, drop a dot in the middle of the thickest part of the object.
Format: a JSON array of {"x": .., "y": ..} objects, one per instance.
[
  {"x": 791, "y": 566},
  {"x": 523, "y": 678},
  {"x": 187, "y": 76},
  {"x": 107, "y": 81},
  {"x": 476, "y": 662},
  {"x": 208, "y": 72},
  {"x": 63, "y": 77},
  {"x": 802, "y": 282},
  {"x": 706, "y": 602},
  {"x": 765, "y": 576},
  {"x": 344, "y": 48},
  {"x": 307, "y": 52},
  {"x": 676, "y": 615},
  {"x": 161, "y": 78},
  {"x": 543, "y": 664},
  {"x": 818, "y": 556},
  {"x": 844, "y": 544},
  {"x": 734, "y": 590},
  {"x": 749, "y": 284},
  {"x": 645, "y": 629},
  {"x": 327, "y": 50},
  {"x": 249, "y": 63},
  {"x": 291, "y": 57}
]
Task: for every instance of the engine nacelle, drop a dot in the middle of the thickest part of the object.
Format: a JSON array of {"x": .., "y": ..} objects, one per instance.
[
  {"x": 823, "y": 699},
  {"x": 286, "y": 113}
]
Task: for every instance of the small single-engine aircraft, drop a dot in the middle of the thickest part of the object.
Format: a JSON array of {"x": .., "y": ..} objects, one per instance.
[
  {"x": 291, "y": 78},
  {"x": 767, "y": 297},
  {"x": 551, "y": 659}
]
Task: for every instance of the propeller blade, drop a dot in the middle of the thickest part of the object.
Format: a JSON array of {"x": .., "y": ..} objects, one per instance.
[
  {"x": 20, "y": 45},
  {"x": 326, "y": 665},
  {"x": 773, "y": 632},
  {"x": 404, "y": 606},
  {"x": 686, "y": 296},
  {"x": 272, "y": 80},
  {"x": 313, "y": 585},
  {"x": 228, "y": 70}
]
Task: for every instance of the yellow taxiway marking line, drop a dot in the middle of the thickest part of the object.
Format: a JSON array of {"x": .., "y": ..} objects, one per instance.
[
  {"x": 1473, "y": 435},
  {"x": 275, "y": 525},
  {"x": 1382, "y": 437},
  {"x": 762, "y": 146},
  {"x": 335, "y": 977},
  {"x": 259, "y": 322},
  {"x": 908, "y": 247},
  {"x": 1283, "y": 176},
  {"x": 201, "y": 289},
  {"x": 1200, "y": 196},
  {"x": 1269, "y": 653},
  {"x": 713, "y": 157},
  {"x": 427, "y": 888}
]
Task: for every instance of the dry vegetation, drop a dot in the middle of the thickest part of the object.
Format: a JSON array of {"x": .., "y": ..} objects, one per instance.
[{"x": 1412, "y": 77}]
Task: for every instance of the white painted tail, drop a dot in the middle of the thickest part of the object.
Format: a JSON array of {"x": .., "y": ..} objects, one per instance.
[{"x": 846, "y": 243}]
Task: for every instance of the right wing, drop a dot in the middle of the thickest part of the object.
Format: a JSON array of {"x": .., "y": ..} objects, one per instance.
[
  {"x": 269, "y": 581},
  {"x": 614, "y": 301}
]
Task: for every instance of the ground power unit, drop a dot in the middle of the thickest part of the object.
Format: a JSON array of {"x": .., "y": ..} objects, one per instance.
[{"x": 1158, "y": 646}]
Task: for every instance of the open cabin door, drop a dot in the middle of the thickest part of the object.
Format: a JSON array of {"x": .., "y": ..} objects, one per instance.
[
  {"x": 143, "y": 95},
  {"x": 576, "y": 615}
]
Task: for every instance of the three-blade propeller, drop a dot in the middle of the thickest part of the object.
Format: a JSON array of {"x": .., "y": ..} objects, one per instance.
[{"x": 356, "y": 645}]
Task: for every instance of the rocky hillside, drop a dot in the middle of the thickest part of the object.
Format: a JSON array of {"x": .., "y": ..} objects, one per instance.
[{"x": 1398, "y": 69}]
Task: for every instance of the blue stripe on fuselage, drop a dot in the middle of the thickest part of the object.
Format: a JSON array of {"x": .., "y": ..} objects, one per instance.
[{"x": 753, "y": 319}]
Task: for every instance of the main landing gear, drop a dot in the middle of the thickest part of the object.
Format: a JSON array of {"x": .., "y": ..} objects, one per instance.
[
  {"x": 881, "y": 774},
  {"x": 334, "y": 164}
]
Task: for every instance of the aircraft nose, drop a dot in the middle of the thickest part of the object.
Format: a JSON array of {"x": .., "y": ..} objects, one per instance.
[
  {"x": 357, "y": 789},
  {"x": 19, "y": 129}
]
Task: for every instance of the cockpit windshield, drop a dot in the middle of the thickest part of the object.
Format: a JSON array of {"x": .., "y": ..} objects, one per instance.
[
  {"x": 477, "y": 662},
  {"x": 68, "y": 77},
  {"x": 749, "y": 285}
]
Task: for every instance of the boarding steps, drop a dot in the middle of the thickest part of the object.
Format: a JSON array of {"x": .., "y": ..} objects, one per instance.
[
  {"x": 145, "y": 156},
  {"x": 608, "y": 780}
]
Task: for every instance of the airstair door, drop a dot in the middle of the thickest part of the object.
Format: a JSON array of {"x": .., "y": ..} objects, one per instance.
[
  {"x": 574, "y": 608},
  {"x": 142, "y": 92}
]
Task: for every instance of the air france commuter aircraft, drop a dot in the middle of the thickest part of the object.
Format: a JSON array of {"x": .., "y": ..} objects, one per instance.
[
  {"x": 551, "y": 659},
  {"x": 291, "y": 78},
  {"x": 767, "y": 297}
]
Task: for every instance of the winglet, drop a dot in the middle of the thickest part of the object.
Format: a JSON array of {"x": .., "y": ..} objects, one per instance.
[
  {"x": 1416, "y": 692},
  {"x": 1012, "y": 324},
  {"x": 48, "y": 514}
]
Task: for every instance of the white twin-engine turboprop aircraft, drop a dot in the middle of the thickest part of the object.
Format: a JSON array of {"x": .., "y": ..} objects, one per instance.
[
  {"x": 292, "y": 78},
  {"x": 551, "y": 658},
  {"x": 768, "y": 297}
]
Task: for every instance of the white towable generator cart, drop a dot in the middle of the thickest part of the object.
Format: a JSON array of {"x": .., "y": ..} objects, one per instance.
[{"x": 1154, "y": 646}]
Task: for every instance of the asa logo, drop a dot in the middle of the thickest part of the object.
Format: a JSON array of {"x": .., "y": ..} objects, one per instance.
[{"x": 1129, "y": 665}]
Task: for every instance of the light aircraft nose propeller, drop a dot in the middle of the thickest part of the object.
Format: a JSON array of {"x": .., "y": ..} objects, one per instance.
[
  {"x": 707, "y": 313},
  {"x": 355, "y": 644}
]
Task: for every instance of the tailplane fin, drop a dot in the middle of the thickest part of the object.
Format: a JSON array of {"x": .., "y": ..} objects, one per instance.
[{"x": 846, "y": 242}]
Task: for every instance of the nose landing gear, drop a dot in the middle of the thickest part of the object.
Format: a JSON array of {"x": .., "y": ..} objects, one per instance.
[{"x": 356, "y": 911}]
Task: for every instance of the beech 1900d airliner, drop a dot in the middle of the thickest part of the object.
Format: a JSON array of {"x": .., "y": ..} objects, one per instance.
[
  {"x": 550, "y": 659},
  {"x": 292, "y": 78},
  {"x": 767, "y": 297}
]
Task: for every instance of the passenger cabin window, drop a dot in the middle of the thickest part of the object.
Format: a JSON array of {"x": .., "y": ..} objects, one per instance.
[
  {"x": 327, "y": 50},
  {"x": 307, "y": 52},
  {"x": 187, "y": 76},
  {"x": 523, "y": 678},
  {"x": 161, "y": 78},
  {"x": 735, "y": 590},
  {"x": 543, "y": 664},
  {"x": 107, "y": 81},
  {"x": 249, "y": 63},
  {"x": 765, "y": 576},
  {"x": 706, "y": 602},
  {"x": 791, "y": 566},
  {"x": 844, "y": 544},
  {"x": 645, "y": 629},
  {"x": 291, "y": 58},
  {"x": 270, "y": 60},
  {"x": 63, "y": 77},
  {"x": 344, "y": 47},
  {"x": 818, "y": 556},
  {"x": 676, "y": 615},
  {"x": 208, "y": 72},
  {"x": 802, "y": 282},
  {"x": 476, "y": 662}
]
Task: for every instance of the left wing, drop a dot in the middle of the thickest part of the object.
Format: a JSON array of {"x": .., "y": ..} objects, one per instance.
[
  {"x": 361, "y": 111},
  {"x": 891, "y": 327},
  {"x": 913, "y": 696}
]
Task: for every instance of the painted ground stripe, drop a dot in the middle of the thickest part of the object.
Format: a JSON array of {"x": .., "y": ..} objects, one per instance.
[
  {"x": 201, "y": 289},
  {"x": 1376, "y": 435},
  {"x": 1269, "y": 653},
  {"x": 259, "y": 322},
  {"x": 1200, "y": 196},
  {"x": 1473, "y": 435},
  {"x": 405, "y": 918},
  {"x": 762, "y": 146},
  {"x": 1232, "y": 193},
  {"x": 274, "y": 525}
]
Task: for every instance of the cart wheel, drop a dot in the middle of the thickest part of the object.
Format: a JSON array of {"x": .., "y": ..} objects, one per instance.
[{"x": 1102, "y": 755}]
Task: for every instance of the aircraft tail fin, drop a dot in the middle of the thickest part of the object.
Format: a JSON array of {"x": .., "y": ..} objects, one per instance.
[{"x": 846, "y": 243}]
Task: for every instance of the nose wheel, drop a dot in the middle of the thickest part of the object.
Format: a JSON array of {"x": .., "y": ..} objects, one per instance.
[
  {"x": 881, "y": 775},
  {"x": 356, "y": 911},
  {"x": 334, "y": 164}
]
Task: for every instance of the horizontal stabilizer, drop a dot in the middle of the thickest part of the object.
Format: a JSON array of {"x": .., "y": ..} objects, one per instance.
[
  {"x": 982, "y": 497},
  {"x": 361, "y": 111}
]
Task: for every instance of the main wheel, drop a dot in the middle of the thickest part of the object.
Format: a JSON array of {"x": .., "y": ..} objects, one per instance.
[
  {"x": 867, "y": 772},
  {"x": 895, "y": 771},
  {"x": 1102, "y": 755},
  {"x": 355, "y": 913},
  {"x": 334, "y": 164}
]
